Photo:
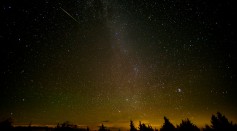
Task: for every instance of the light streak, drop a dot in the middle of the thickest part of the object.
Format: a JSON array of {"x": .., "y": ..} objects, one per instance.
[{"x": 69, "y": 15}]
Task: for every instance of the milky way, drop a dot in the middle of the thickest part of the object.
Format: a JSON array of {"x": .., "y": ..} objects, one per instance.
[{"x": 89, "y": 61}]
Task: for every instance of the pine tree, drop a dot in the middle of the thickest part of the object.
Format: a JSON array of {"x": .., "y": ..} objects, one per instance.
[
  {"x": 132, "y": 127},
  {"x": 167, "y": 126},
  {"x": 187, "y": 125}
]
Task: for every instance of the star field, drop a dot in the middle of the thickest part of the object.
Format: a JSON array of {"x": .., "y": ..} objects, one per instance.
[{"x": 89, "y": 61}]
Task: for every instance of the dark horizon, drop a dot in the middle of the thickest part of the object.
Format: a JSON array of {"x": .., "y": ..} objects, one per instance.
[{"x": 222, "y": 119}]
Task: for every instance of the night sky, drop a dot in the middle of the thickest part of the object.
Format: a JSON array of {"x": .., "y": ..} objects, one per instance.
[{"x": 112, "y": 61}]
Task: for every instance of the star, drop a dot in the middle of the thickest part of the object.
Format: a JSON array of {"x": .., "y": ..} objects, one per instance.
[{"x": 179, "y": 90}]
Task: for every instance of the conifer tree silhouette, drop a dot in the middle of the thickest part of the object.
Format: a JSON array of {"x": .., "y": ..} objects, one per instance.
[
  {"x": 187, "y": 125},
  {"x": 220, "y": 123},
  {"x": 143, "y": 127},
  {"x": 132, "y": 127},
  {"x": 167, "y": 126}
]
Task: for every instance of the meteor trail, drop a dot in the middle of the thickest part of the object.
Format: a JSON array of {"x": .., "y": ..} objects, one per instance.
[{"x": 69, "y": 14}]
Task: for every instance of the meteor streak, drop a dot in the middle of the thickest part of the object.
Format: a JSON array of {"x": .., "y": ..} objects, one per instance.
[{"x": 69, "y": 14}]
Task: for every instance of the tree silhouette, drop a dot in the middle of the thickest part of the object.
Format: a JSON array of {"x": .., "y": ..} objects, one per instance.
[
  {"x": 6, "y": 124},
  {"x": 167, "y": 126},
  {"x": 103, "y": 128},
  {"x": 132, "y": 127},
  {"x": 220, "y": 123},
  {"x": 187, "y": 125},
  {"x": 207, "y": 128},
  {"x": 66, "y": 126},
  {"x": 143, "y": 127}
]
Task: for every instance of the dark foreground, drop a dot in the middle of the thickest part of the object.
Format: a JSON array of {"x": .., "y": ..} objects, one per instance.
[{"x": 218, "y": 123}]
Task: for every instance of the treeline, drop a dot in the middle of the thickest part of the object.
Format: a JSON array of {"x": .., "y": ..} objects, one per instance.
[{"x": 218, "y": 123}]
